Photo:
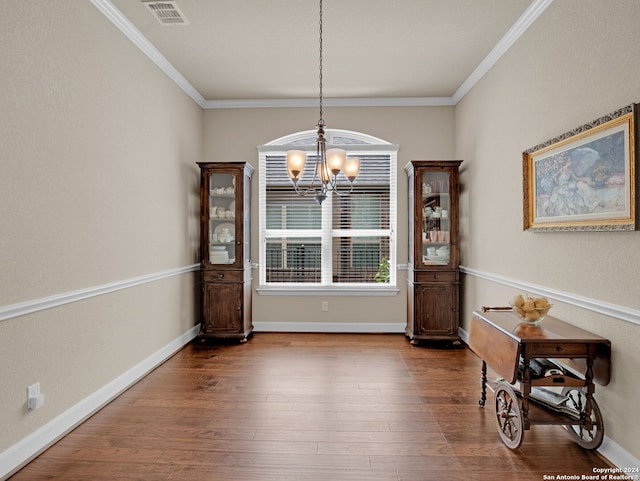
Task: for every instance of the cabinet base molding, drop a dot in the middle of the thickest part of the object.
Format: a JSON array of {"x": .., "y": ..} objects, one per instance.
[
  {"x": 434, "y": 337},
  {"x": 237, "y": 336}
]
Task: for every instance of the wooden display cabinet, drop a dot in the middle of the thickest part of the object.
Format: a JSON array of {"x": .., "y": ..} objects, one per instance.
[
  {"x": 434, "y": 279},
  {"x": 225, "y": 249}
]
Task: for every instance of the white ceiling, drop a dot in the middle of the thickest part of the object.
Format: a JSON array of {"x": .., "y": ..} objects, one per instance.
[{"x": 265, "y": 52}]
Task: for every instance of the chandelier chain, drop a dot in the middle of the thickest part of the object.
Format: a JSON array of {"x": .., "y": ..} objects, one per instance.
[
  {"x": 326, "y": 170},
  {"x": 321, "y": 121}
]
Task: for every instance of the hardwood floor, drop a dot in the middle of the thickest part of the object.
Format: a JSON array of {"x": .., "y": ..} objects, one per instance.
[{"x": 307, "y": 407}]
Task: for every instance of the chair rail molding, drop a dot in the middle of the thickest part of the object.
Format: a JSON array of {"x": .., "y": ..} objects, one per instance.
[
  {"x": 595, "y": 305},
  {"x": 35, "y": 305}
]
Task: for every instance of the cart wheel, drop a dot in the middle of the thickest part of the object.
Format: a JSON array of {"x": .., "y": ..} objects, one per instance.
[
  {"x": 587, "y": 438},
  {"x": 509, "y": 415}
]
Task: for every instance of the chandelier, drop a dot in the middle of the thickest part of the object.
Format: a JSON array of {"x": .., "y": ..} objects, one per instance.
[{"x": 329, "y": 162}]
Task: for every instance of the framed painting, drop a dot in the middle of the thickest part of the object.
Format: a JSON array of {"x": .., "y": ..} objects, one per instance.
[{"x": 585, "y": 179}]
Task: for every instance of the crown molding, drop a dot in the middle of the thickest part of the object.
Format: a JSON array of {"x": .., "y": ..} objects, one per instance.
[
  {"x": 532, "y": 12},
  {"x": 330, "y": 102},
  {"x": 110, "y": 11}
]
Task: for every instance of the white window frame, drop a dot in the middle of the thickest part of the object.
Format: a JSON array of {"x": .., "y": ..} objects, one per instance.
[{"x": 357, "y": 144}]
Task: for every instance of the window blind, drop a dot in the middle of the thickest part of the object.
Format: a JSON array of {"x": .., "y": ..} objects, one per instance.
[{"x": 344, "y": 240}]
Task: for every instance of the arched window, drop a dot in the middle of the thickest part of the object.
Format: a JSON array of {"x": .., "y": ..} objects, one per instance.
[{"x": 348, "y": 243}]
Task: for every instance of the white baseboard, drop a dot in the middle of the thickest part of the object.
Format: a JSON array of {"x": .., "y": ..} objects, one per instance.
[
  {"x": 25, "y": 450},
  {"x": 618, "y": 456},
  {"x": 332, "y": 327}
]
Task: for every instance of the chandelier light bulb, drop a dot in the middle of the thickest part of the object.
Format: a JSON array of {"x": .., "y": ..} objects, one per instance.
[
  {"x": 295, "y": 163},
  {"x": 352, "y": 168},
  {"x": 324, "y": 173},
  {"x": 335, "y": 160}
]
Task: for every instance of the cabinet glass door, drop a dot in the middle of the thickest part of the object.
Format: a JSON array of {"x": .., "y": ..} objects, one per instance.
[
  {"x": 222, "y": 218},
  {"x": 436, "y": 224}
]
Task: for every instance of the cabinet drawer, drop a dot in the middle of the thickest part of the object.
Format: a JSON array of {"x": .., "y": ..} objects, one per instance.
[
  {"x": 559, "y": 349},
  {"x": 223, "y": 276},
  {"x": 436, "y": 276}
]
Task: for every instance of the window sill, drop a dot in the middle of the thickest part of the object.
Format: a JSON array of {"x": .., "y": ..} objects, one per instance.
[{"x": 315, "y": 290}]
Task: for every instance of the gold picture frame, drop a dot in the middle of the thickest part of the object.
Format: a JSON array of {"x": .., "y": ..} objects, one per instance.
[{"x": 585, "y": 179}]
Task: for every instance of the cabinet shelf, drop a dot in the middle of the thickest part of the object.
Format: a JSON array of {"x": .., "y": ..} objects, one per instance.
[
  {"x": 228, "y": 195},
  {"x": 431, "y": 195}
]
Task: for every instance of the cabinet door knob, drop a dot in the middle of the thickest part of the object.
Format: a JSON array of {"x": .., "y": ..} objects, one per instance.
[{"x": 221, "y": 275}]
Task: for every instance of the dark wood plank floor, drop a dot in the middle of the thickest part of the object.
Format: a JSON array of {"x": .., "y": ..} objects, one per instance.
[{"x": 307, "y": 407}]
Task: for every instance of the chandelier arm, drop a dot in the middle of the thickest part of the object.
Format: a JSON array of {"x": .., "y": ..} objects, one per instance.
[
  {"x": 321, "y": 161},
  {"x": 343, "y": 193},
  {"x": 302, "y": 191},
  {"x": 311, "y": 188}
]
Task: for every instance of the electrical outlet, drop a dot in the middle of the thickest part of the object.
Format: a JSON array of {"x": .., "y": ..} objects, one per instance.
[
  {"x": 33, "y": 390},
  {"x": 35, "y": 399},
  {"x": 325, "y": 306}
]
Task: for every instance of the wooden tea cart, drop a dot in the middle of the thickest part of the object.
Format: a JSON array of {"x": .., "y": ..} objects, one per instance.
[{"x": 572, "y": 359}]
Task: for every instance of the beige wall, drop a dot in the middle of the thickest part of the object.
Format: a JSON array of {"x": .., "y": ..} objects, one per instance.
[
  {"x": 576, "y": 63},
  {"x": 421, "y": 133},
  {"x": 98, "y": 185}
]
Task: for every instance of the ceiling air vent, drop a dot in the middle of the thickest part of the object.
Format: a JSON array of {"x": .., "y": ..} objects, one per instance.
[{"x": 166, "y": 12}]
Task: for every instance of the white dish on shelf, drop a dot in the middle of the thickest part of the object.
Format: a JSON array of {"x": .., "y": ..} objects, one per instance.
[
  {"x": 438, "y": 258},
  {"x": 218, "y": 248},
  {"x": 231, "y": 229},
  {"x": 219, "y": 257}
]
